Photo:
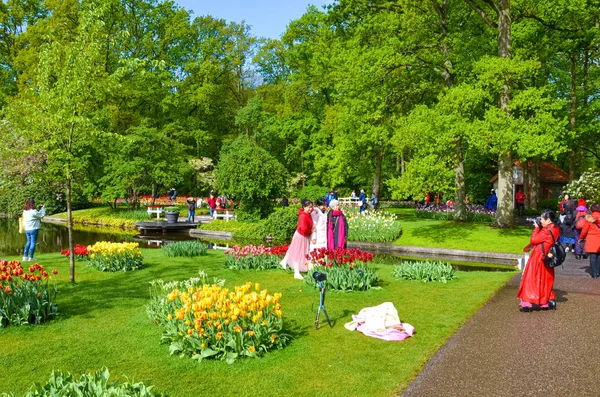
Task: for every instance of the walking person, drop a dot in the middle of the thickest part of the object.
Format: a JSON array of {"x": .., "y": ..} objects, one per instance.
[
  {"x": 362, "y": 198},
  {"x": 337, "y": 227},
  {"x": 191, "y": 203},
  {"x": 591, "y": 234},
  {"x": 212, "y": 204},
  {"x": 31, "y": 225},
  {"x": 538, "y": 279},
  {"x": 318, "y": 239},
  {"x": 296, "y": 256}
]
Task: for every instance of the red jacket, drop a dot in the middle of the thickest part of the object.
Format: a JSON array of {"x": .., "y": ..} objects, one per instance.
[
  {"x": 591, "y": 234},
  {"x": 538, "y": 279},
  {"x": 520, "y": 197},
  {"x": 305, "y": 223}
]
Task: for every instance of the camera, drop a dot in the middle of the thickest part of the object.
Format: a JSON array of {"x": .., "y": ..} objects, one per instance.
[
  {"x": 318, "y": 276},
  {"x": 536, "y": 221}
]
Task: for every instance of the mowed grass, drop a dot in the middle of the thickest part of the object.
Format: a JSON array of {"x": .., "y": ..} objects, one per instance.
[
  {"x": 103, "y": 323},
  {"x": 422, "y": 232}
]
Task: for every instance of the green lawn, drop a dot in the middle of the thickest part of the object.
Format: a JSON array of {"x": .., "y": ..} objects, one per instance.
[
  {"x": 103, "y": 323},
  {"x": 421, "y": 232}
]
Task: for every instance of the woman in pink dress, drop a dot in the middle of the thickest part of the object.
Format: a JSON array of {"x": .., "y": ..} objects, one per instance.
[{"x": 296, "y": 256}]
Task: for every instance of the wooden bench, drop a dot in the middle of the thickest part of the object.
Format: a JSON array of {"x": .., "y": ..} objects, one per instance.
[
  {"x": 155, "y": 209},
  {"x": 224, "y": 214}
]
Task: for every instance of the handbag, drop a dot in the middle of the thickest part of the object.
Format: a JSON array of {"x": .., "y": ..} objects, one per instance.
[{"x": 21, "y": 226}]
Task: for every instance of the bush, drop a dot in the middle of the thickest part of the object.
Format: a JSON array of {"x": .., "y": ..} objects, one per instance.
[
  {"x": 346, "y": 269},
  {"x": 312, "y": 192},
  {"x": 370, "y": 226},
  {"x": 237, "y": 228},
  {"x": 281, "y": 224},
  {"x": 185, "y": 248},
  {"x": 25, "y": 298},
  {"x": 95, "y": 384},
  {"x": 213, "y": 323},
  {"x": 113, "y": 257},
  {"x": 160, "y": 307},
  {"x": 548, "y": 204},
  {"x": 424, "y": 271},
  {"x": 253, "y": 257}
]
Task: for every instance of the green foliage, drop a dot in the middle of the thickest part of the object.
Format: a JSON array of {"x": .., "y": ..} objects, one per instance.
[
  {"x": 237, "y": 228},
  {"x": 185, "y": 248},
  {"x": 552, "y": 203},
  {"x": 92, "y": 385},
  {"x": 107, "y": 216},
  {"x": 250, "y": 174},
  {"x": 358, "y": 277},
  {"x": 281, "y": 223},
  {"x": 172, "y": 209},
  {"x": 312, "y": 193},
  {"x": 424, "y": 271}
]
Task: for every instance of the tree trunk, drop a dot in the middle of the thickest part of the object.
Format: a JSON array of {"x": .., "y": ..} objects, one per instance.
[
  {"x": 460, "y": 207},
  {"x": 504, "y": 213},
  {"x": 525, "y": 166},
  {"x": 534, "y": 177},
  {"x": 377, "y": 174},
  {"x": 70, "y": 226},
  {"x": 573, "y": 115}
]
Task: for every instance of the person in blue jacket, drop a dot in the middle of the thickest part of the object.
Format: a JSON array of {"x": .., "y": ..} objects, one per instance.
[
  {"x": 328, "y": 197},
  {"x": 363, "y": 200},
  {"x": 492, "y": 202}
]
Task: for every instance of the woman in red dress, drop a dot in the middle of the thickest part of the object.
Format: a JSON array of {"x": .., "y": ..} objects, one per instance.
[
  {"x": 538, "y": 279},
  {"x": 296, "y": 256}
]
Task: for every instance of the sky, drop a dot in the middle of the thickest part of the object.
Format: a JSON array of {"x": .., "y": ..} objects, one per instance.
[{"x": 268, "y": 18}]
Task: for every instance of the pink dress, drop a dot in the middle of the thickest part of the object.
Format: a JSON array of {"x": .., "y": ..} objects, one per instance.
[{"x": 296, "y": 256}]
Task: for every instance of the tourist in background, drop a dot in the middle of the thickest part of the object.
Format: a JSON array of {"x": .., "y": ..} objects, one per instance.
[
  {"x": 337, "y": 227},
  {"x": 31, "y": 225},
  {"x": 296, "y": 256},
  {"x": 492, "y": 202},
  {"x": 579, "y": 223},
  {"x": 538, "y": 279},
  {"x": 374, "y": 201},
  {"x": 191, "y": 204},
  {"x": 520, "y": 199},
  {"x": 318, "y": 239},
  {"x": 212, "y": 204},
  {"x": 362, "y": 198},
  {"x": 328, "y": 197},
  {"x": 591, "y": 234},
  {"x": 567, "y": 224}
]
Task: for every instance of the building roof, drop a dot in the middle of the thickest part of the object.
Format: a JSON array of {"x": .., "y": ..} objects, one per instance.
[{"x": 549, "y": 173}]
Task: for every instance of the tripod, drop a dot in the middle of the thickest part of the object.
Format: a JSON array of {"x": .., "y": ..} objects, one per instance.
[{"x": 322, "y": 291}]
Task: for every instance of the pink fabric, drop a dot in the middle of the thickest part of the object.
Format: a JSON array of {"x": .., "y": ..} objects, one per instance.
[
  {"x": 390, "y": 334},
  {"x": 297, "y": 252},
  {"x": 341, "y": 241}
]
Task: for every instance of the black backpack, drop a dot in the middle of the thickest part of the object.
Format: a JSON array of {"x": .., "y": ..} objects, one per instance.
[{"x": 556, "y": 254}]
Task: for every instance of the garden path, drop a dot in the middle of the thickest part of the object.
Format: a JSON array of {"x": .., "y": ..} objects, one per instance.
[{"x": 503, "y": 352}]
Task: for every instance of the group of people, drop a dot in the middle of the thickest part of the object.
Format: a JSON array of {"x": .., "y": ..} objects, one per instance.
[
  {"x": 218, "y": 203},
  {"x": 322, "y": 227},
  {"x": 576, "y": 227}
]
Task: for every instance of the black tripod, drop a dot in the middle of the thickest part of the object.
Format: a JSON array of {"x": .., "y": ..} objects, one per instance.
[{"x": 322, "y": 291}]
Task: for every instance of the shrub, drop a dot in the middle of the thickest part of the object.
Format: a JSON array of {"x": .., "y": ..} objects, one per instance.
[
  {"x": 424, "y": 271},
  {"x": 346, "y": 269},
  {"x": 25, "y": 298},
  {"x": 213, "y": 323},
  {"x": 253, "y": 257},
  {"x": 587, "y": 187},
  {"x": 172, "y": 209},
  {"x": 281, "y": 224},
  {"x": 185, "y": 248},
  {"x": 312, "y": 192},
  {"x": 113, "y": 257},
  {"x": 95, "y": 384},
  {"x": 376, "y": 226},
  {"x": 237, "y": 228},
  {"x": 160, "y": 307},
  {"x": 548, "y": 204}
]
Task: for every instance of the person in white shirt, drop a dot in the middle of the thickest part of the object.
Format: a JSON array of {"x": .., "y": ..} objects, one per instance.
[
  {"x": 31, "y": 225},
  {"x": 318, "y": 238}
]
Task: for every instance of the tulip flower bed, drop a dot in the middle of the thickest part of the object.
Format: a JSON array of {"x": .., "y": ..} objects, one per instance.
[
  {"x": 425, "y": 271},
  {"x": 95, "y": 384},
  {"x": 346, "y": 269},
  {"x": 475, "y": 213},
  {"x": 373, "y": 226},
  {"x": 113, "y": 257},
  {"x": 80, "y": 251},
  {"x": 212, "y": 322},
  {"x": 188, "y": 249},
  {"x": 253, "y": 257},
  {"x": 25, "y": 297}
]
